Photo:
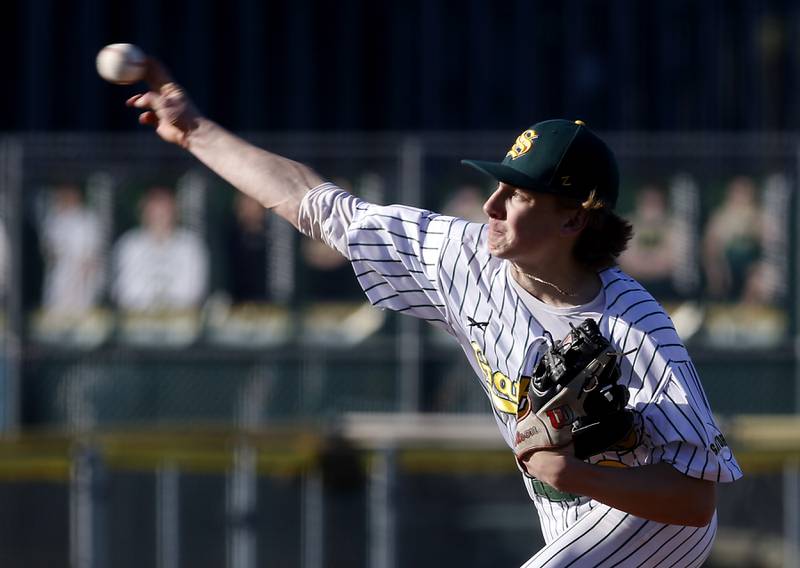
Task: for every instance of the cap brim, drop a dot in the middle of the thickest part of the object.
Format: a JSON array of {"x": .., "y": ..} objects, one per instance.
[{"x": 505, "y": 174}]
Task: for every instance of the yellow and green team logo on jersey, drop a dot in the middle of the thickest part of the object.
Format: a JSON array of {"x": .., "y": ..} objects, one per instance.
[{"x": 505, "y": 392}]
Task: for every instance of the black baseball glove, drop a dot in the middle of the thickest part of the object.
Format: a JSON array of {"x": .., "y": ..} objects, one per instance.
[{"x": 573, "y": 396}]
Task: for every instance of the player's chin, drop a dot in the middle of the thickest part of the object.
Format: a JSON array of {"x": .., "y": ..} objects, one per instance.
[
  {"x": 496, "y": 246},
  {"x": 498, "y": 250}
]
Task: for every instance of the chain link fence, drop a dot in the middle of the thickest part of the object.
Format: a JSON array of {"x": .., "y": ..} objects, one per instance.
[{"x": 274, "y": 332}]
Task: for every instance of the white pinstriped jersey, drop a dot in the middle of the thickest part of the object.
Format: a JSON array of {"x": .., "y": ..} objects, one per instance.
[{"x": 438, "y": 268}]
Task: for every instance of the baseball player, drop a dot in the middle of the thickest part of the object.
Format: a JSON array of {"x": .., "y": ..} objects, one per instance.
[{"x": 543, "y": 262}]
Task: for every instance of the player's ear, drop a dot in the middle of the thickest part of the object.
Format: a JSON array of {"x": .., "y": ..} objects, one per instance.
[{"x": 575, "y": 220}]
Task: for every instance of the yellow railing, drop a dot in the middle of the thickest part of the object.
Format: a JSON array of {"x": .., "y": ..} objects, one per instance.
[{"x": 760, "y": 444}]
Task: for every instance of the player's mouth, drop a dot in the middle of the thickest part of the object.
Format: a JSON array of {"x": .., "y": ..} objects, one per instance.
[
  {"x": 495, "y": 232},
  {"x": 495, "y": 227}
]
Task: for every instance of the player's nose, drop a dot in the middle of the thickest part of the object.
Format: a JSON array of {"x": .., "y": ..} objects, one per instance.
[{"x": 494, "y": 206}]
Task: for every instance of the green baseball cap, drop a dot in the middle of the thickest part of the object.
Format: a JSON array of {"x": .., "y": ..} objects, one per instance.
[{"x": 561, "y": 157}]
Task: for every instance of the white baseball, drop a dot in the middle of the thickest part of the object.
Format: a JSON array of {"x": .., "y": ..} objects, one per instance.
[{"x": 121, "y": 63}]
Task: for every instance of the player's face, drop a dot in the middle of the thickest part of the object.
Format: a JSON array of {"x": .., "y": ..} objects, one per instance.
[{"x": 524, "y": 226}]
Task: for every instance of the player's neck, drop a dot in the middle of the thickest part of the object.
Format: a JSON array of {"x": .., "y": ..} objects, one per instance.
[{"x": 559, "y": 285}]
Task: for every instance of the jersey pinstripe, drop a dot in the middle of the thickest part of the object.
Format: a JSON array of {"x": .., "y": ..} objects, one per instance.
[
  {"x": 438, "y": 268},
  {"x": 606, "y": 537}
]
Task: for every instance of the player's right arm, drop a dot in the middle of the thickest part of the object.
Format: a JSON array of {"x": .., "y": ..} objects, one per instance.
[
  {"x": 278, "y": 183},
  {"x": 396, "y": 251}
]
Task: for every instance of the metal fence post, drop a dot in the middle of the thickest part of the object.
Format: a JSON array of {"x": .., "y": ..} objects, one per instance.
[
  {"x": 11, "y": 166},
  {"x": 168, "y": 516},
  {"x": 791, "y": 514},
  {"x": 791, "y": 468},
  {"x": 87, "y": 509},
  {"x": 409, "y": 343},
  {"x": 242, "y": 488},
  {"x": 382, "y": 510},
  {"x": 313, "y": 531},
  {"x": 241, "y": 505},
  {"x": 796, "y": 315}
]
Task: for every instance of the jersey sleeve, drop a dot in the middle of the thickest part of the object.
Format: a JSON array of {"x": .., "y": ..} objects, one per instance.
[
  {"x": 678, "y": 425},
  {"x": 682, "y": 430},
  {"x": 408, "y": 260},
  {"x": 397, "y": 253}
]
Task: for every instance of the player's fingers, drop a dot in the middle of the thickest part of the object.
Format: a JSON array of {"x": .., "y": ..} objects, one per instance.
[
  {"x": 148, "y": 118},
  {"x": 144, "y": 100},
  {"x": 156, "y": 75},
  {"x": 132, "y": 101}
]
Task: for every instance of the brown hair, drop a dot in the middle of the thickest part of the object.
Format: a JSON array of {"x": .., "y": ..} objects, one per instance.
[{"x": 605, "y": 235}]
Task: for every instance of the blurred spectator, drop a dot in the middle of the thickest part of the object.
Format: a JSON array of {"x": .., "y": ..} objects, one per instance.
[
  {"x": 336, "y": 313},
  {"x": 466, "y": 202},
  {"x": 329, "y": 274},
  {"x": 72, "y": 246},
  {"x": 247, "y": 247},
  {"x": 650, "y": 256},
  {"x": 758, "y": 287},
  {"x": 733, "y": 240},
  {"x": 159, "y": 266}
]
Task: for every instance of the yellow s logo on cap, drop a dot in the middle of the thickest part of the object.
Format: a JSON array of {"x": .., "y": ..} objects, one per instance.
[{"x": 523, "y": 144}]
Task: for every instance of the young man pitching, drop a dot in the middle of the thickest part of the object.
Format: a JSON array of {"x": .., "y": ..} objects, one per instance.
[{"x": 508, "y": 291}]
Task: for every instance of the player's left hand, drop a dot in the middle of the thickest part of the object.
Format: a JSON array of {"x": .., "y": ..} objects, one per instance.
[{"x": 558, "y": 468}]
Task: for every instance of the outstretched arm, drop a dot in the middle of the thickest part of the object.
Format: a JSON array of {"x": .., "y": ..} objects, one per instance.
[
  {"x": 657, "y": 492},
  {"x": 278, "y": 183}
]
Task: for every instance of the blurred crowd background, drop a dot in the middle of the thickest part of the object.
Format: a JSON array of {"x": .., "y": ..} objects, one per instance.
[{"x": 185, "y": 381}]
